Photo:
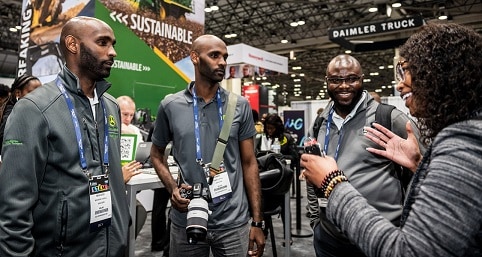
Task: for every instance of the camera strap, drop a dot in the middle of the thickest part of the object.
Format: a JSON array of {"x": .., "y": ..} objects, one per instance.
[{"x": 223, "y": 136}]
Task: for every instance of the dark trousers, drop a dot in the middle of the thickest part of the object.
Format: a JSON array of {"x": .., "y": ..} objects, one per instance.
[
  {"x": 160, "y": 234},
  {"x": 328, "y": 246}
]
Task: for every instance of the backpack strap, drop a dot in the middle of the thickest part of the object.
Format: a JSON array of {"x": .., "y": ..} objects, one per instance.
[
  {"x": 383, "y": 116},
  {"x": 317, "y": 125}
]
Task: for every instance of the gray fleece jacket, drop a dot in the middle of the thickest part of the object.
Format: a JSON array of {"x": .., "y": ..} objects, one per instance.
[{"x": 44, "y": 194}]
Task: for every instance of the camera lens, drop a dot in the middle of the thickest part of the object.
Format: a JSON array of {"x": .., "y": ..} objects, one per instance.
[{"x": 197, "y": 220}]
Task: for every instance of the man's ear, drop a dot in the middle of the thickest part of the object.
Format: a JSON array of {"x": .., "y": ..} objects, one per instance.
[{"x": 71, "y": 44}]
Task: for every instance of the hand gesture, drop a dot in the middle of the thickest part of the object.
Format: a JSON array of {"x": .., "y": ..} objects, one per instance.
[{"x": 405, "y": 152}]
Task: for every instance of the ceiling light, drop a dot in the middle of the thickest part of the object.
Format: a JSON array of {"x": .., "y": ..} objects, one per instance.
[
  {"x": 297, "y": 23},
  {"x": 443, "y": 16},
  {"x": 208, "y": 9},
  {"x": 348, "y": 52},
  {"x": 284, "y": 40},
  {"x": 373, "y": 9},
  {"x": 381, "y": 67},
  {"x": 13, "y": 29},
  {"x": 213, "y": 7},
  {"x": 396, "y": 5},
  {"x": 231, "y": 35},
  {"x": 18, "y": 27},
  {"x": 389, "y": 10}
]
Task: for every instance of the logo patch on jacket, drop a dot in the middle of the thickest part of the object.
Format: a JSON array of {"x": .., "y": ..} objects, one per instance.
[
  {"x": 12, "y": 142},
  {"x": 112, "y": 123}
]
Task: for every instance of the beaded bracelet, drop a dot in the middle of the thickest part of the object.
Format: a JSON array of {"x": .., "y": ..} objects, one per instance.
[
  {"x": 333, "y": 183},
  {"x": 331, "y": 180}
]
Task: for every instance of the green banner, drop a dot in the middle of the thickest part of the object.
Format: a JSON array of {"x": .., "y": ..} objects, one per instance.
[
  {"x": 154, "y": 38},
  {"x": 138, "y": 70}
]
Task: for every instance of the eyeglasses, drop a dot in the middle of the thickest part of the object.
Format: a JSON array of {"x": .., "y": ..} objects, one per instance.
[
  {"x": 400, "y": 71},
  {"x": 339, "y": 80}
]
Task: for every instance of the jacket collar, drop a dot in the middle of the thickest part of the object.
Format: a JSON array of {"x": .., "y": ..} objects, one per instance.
[{"x": 71, "y": 83}]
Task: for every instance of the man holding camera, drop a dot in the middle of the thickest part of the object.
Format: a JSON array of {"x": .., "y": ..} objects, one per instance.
[{"x": 222, "y": 200}]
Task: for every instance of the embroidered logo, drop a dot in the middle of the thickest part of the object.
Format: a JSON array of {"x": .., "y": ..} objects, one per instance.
[{"x": 112, "y": 122}]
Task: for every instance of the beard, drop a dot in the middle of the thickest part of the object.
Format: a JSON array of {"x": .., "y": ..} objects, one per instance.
[
  {"x": 344, "y": 105},
  {"x": 211, "y": 74},
  {"x": 92, "y": 64}
]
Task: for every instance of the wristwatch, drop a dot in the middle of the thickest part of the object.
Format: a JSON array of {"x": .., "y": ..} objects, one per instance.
[{"x": 257, "y": 224}]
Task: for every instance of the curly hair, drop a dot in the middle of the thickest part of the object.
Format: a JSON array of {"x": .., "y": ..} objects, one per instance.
[{"x": 445, "y": 63}]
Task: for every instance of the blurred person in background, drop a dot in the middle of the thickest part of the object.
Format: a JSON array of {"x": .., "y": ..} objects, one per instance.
[
  {"x": 20, "y": 87},
  {"x": 128, "y": 111}
]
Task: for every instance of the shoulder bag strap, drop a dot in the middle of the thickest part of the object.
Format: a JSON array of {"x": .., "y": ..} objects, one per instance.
[{"x": 224, "y": 135}]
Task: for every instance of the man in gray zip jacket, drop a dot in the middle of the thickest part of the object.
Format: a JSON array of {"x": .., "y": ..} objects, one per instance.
[
  {"x": 61, "y": 186},
  {"x": 341, "y": 136}
]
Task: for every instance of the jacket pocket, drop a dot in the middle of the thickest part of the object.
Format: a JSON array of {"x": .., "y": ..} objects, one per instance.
[{"x": 62, "y": 218}]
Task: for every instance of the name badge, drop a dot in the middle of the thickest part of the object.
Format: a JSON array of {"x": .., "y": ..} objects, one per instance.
[
  {"x": 100, "y": 203},
  {"x": 220, "y": 188}
]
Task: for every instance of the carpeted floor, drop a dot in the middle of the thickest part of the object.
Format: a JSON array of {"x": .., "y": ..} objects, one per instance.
[{"x": 302, "y": 234}]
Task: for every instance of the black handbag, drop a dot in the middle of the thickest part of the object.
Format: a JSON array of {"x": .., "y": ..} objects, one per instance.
[{"x": 275, "y": 175}]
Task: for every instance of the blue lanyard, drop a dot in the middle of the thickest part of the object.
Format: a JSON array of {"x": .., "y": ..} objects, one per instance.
[
  {"x": 78, "y": 134},
  {"x": 327, "y": 135},
  {"x": 196, "y": 121}
]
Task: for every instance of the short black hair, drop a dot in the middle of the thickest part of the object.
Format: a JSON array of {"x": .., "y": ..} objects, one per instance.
[{"x": 4, "y": 90}]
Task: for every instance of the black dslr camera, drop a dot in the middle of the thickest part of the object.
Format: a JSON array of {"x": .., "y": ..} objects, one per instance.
[{"x": 198, "y": 212}]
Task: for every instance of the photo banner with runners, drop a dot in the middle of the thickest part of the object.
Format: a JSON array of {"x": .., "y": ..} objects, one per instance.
[{"x": 154, "y": 38}]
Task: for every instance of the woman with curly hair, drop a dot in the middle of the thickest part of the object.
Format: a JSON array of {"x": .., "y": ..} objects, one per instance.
[{"x": 440, "y": 81}]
